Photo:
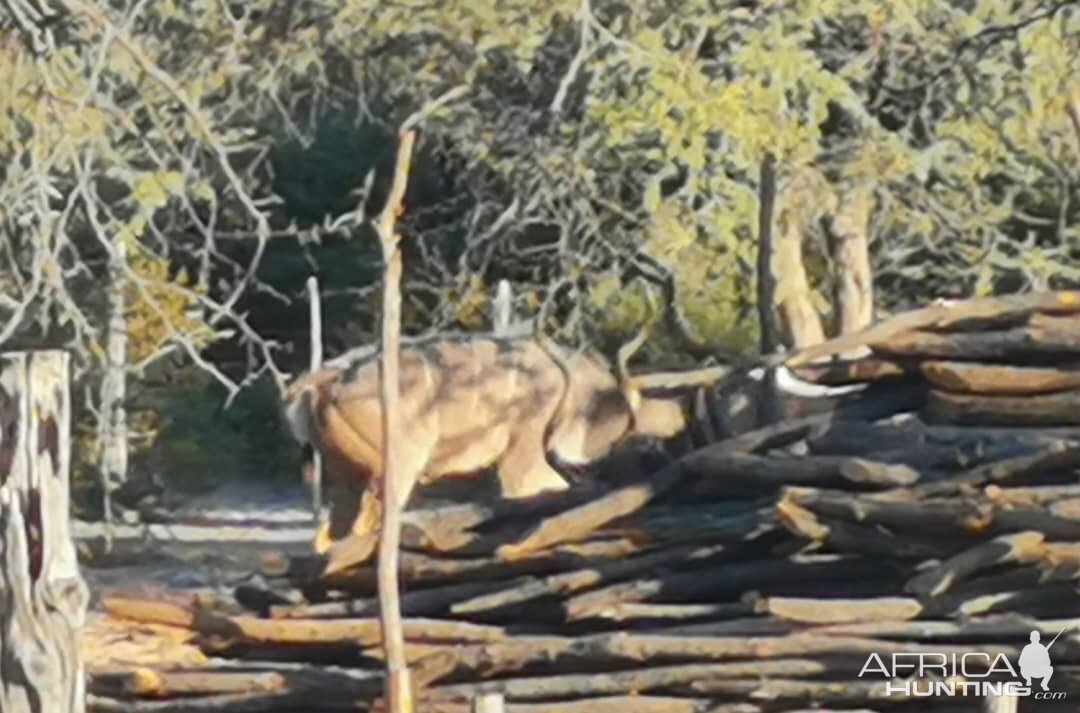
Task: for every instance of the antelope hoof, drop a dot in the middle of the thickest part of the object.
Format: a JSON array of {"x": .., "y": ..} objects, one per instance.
[{"x": 323, "y": 541}]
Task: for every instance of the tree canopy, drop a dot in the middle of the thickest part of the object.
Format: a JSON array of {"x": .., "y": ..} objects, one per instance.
[{"x": 570, "y": 147}]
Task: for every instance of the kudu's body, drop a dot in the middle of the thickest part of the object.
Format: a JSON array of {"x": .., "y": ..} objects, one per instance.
[{"x": 468, "y": 404}]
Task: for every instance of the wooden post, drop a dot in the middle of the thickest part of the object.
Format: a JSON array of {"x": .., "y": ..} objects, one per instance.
[
  {"x": 769, "y": 401},
  {"x": 502, "y": 309},
  {"x": 315, "y": 325},
  {"x": 398, "y": 687},
  {"x": 488, "y": 703},
  {"x": 113, "y": 430},
  {"x": 43, "y": 597}
]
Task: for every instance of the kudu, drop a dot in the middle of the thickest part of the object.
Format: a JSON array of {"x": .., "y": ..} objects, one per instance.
[{"x": 471, "y": 403}]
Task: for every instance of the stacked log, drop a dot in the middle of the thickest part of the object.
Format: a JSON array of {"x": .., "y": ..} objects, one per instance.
[{"x": 771, "y": 571}]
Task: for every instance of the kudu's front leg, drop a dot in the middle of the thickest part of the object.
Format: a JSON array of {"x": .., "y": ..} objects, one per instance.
[{"x": 351, "y": 506}]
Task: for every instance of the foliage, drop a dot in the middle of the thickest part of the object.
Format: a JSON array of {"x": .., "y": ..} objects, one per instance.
[
  {"x": 159, "y": 304},
  {"x": 566, "y": 146},
  {"x": 198, "y": 440},
  {"x": 953, "y": 114}
]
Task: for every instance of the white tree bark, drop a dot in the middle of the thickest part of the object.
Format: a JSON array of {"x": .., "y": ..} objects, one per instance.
[
  {"x": 315, "y": 312},
  {"x": 502, "y": 309},
  {"x": 801, "y": 321},
  {"x": 43, "y": 597},
  {"x": 114, "y": 444}
]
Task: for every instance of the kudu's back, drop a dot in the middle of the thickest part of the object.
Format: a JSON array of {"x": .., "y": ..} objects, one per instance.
[{"x": 466, "y": 405}]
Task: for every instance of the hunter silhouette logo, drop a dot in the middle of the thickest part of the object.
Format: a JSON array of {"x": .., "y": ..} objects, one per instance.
[
  {"x": 923, "y": 675},
  {"x": 1035, "y": 660}
]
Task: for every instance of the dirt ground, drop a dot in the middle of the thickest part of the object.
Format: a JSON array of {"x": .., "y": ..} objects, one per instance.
[{"x": 214, "y": 545}]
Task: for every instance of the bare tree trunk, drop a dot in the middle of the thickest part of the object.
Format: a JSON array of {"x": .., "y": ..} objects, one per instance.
[
  {"x": 769, "y": 409},
  {"x": 114, "y": 444},
  {"x": 502, "y": 309},
  {"x": 316, "y": 361},
  {"x": 800, "y": 318},
  {"x": 398, "y": 687},
  {"x": 850, "y": 227},
  {"x": 43, "y": 597}
]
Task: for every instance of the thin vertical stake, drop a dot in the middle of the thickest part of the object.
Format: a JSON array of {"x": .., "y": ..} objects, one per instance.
[{"x": 315, "y": 312}]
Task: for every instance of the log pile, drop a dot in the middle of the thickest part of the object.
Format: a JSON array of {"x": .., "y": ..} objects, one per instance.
[{"x": 758, "y": 574}]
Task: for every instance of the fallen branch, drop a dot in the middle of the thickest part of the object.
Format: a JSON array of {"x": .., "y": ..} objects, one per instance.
[
  {"x": 620, "y": 648},
  {"x": 577, "y": 523},
  {"x": 1058, "y": 409},
  {"x": 638, "y": 680},
  {"x": 730, "y": 580},
  {"x": 939, "y": 316},
  {"x": 589, "y": 577},
  {"x": 834, "y": 611},
  {"x": 846, "y": 537},
  {"x": 1043, "y": 338},
  {"x": 250, "y": 629},
  {"x": 151, "y": 683},
  {"x": 1022, "y": 547},
  {"x": 1000, "y": 380}
]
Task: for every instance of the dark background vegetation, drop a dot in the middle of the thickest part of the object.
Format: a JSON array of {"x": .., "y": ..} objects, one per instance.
[{"x": 568, "y": 147}]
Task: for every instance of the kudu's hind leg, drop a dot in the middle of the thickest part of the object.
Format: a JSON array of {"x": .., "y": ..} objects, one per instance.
[
  {"x": 347, "y": 503},
  {"x": 360, "y": 543},
  {"x": 367, "y": 516},
  {"x": 355, "y": 531},
  {"x": 323, "y": 541},
  {"x": 352, "y": 516},
  {"x": 370, "y": 515},
  {"x": 357, "y": 459}
]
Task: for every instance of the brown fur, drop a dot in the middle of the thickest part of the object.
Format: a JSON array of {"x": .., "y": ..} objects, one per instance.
[{"x": 466, "y": 405}]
